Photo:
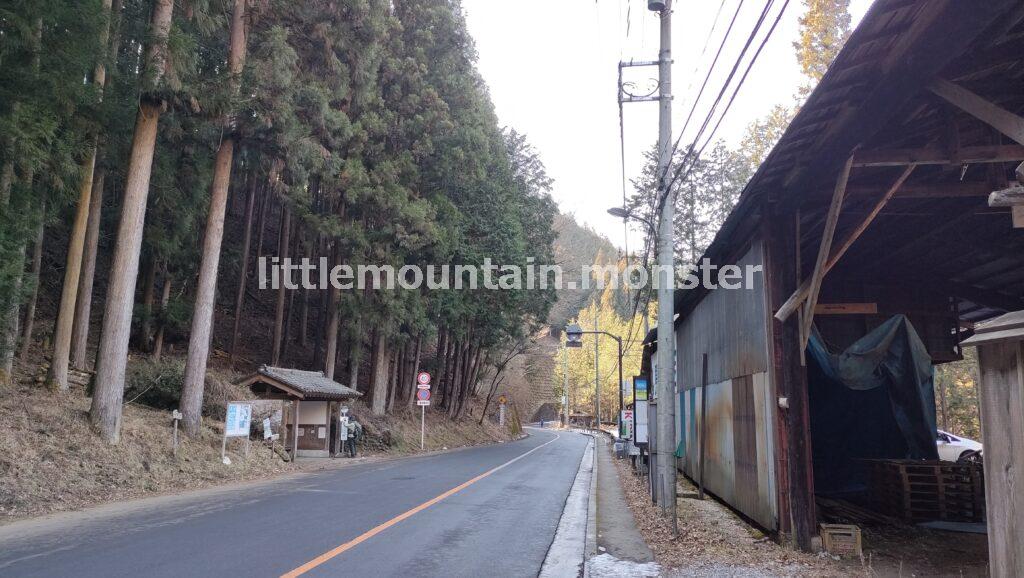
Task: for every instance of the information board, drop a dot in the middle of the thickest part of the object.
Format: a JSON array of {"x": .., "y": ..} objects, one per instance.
[{"x": 238, "y": 420}]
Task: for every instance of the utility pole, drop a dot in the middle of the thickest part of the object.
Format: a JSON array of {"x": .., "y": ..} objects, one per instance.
[
  {"x": 597, "y": 371},
  {"x": 665, "y": 274},
  {"x": 565, "y": 377}
]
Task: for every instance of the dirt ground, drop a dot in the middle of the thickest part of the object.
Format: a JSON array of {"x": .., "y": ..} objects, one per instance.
[
  {"x": 51, "y": 461},
  {"x": 714, "y": 541}
]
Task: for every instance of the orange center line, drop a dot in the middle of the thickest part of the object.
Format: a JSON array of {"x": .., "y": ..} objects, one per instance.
[{"x": 337, "y": 551}]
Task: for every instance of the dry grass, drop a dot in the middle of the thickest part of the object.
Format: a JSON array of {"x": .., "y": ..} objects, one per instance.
[{"x": 713, "y": 541}]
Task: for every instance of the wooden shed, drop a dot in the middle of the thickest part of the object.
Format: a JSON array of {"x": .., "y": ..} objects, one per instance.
[
  {"x": 1000, "y": 344},
  {"x": 311, "y": 403},
  {"x": 873, "y": 204}
]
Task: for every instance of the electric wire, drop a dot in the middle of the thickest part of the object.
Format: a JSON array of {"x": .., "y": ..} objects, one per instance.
[{"x": 690, "y": 160}]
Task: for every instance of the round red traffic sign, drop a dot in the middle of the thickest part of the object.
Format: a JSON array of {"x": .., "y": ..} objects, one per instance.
[
  {"x": 423, "y": 378},
  {"x": 423, "y": 395}
]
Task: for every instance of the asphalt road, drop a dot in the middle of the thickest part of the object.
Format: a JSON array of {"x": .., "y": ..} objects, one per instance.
[{"x": 395, "y": 518}]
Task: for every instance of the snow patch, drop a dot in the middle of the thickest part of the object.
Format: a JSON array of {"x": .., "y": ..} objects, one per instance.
[{"x": 608, "y": 566}]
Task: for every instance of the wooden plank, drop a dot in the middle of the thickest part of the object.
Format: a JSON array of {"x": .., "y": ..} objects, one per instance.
[
  {"x": 803, "y": 290},
  {"x": 793, "y": 469},
  {"x": 938, "y": 156},
  {"x": 988, "y": 112},
  {"x": 846, "y": 309},
  {"x": 1002, "y": 415},
  {"x": 824, "y": 250}
]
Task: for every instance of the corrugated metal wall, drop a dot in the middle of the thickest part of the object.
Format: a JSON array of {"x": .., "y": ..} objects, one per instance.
[{"x": 730, "y": 327}]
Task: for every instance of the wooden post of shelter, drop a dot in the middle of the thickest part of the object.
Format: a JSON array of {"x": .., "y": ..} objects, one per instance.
[{"x": 1000, "y": 344}]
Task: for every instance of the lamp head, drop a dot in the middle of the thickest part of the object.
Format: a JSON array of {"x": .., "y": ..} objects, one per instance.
[{"x": 620, "y": 212}]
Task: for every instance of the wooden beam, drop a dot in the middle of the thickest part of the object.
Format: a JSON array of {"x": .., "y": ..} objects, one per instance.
[
  {"x": 846, "y": 309},
  {"x": 990, "y": 113},
  {"x": 793, "y": 463},
  {"x": 1011, "y": 197},
  {"x": 955, "y": 190},
  {"x": 825, "y": 249},
  {"x": 939, "y": 156},
  {"x": 804, "y": 289}
]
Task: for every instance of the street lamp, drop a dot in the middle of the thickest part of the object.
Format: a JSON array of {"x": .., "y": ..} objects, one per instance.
[
  {"x": 626, "y": 214},
  {"x": 574, "y": 338}
]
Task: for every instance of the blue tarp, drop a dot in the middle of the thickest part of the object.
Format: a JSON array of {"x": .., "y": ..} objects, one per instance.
[{"x": 874, "y": 400}]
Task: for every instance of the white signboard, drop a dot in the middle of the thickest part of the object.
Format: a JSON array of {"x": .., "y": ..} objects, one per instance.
[
  {"x": 267, "y": 434},
  {"x": 343, "y": 427},
  {"x": 238, "y": 420},
  {"x": 640, "y": 422}
]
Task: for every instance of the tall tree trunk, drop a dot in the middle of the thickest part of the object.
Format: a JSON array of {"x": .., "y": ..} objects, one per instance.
[
  {"x": 8, "y": 339},
  {"x": 145, "y": 335},
  {"x": 442, "y": 361},
  {"x": 266, "y": 205},
  {"x": 6, "y": 181},
  {"x": 331, "y": 333},
  {"x": 9, "y": 331},
  {"x": 206, "y": 292},
  {"x": 11, "y": 317},
  {"x": 165, "y": 296},
  {"x": 37, "y": 265},
  {"x": 62, "y": 331},
  {"x": 289, "y": 315},
  {"x": 304, "y": 320},
  {"x": 379, "y": 386},
  {"x": 105, "y": 411},
  {"x": 393, "y": 382},
  {"x": 285, "y": 233},
  {"x": 452, "y": 384},
  {"x": 243, "y": 274},
  {"x": 467, "y": 363},
  {"x": 415, "y": 368},
  {"x": 83, "y": 303},
  {"x": 355, "y": 354}
]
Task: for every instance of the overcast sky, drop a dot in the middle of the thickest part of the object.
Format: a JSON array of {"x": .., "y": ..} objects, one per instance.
[{"x": 551, "y": 66}]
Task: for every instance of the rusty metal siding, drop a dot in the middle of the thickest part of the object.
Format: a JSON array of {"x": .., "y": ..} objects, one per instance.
[
  {"x": 728, "y": 325},
  {"x": 731, "y": 327},
  {"x": 744, "y": 425}
]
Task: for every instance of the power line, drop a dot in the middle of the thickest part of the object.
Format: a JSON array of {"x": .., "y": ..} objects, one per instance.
[
  {"x": 707, "y": 77},
  {"x": 691, "y": 161},
  {"x": 747, "y": 72}
]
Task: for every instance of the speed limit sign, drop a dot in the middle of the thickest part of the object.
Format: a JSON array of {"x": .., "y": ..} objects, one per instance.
[{"x": 423, "y": 380}]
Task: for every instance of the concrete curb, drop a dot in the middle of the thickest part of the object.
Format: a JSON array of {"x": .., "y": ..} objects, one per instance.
[
  {"x": 568, "y": 552},
  {"x": 591, "y": 549}
]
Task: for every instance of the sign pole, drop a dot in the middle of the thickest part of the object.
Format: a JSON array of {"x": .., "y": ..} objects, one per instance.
[{"x": 423, "y": 400}]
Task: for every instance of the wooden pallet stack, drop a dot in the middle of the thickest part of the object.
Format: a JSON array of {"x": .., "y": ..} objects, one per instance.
[{"x": 925, "y": 490}]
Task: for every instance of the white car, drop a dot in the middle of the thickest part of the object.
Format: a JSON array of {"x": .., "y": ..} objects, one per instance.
[{"x": 952, "y": 448}]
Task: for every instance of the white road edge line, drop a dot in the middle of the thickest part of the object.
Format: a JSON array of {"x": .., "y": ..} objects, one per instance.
[{"x": 566, "y": 555}]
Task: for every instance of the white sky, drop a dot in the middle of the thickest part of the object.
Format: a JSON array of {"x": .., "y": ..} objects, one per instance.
[{"x": 551, "y": 66}]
